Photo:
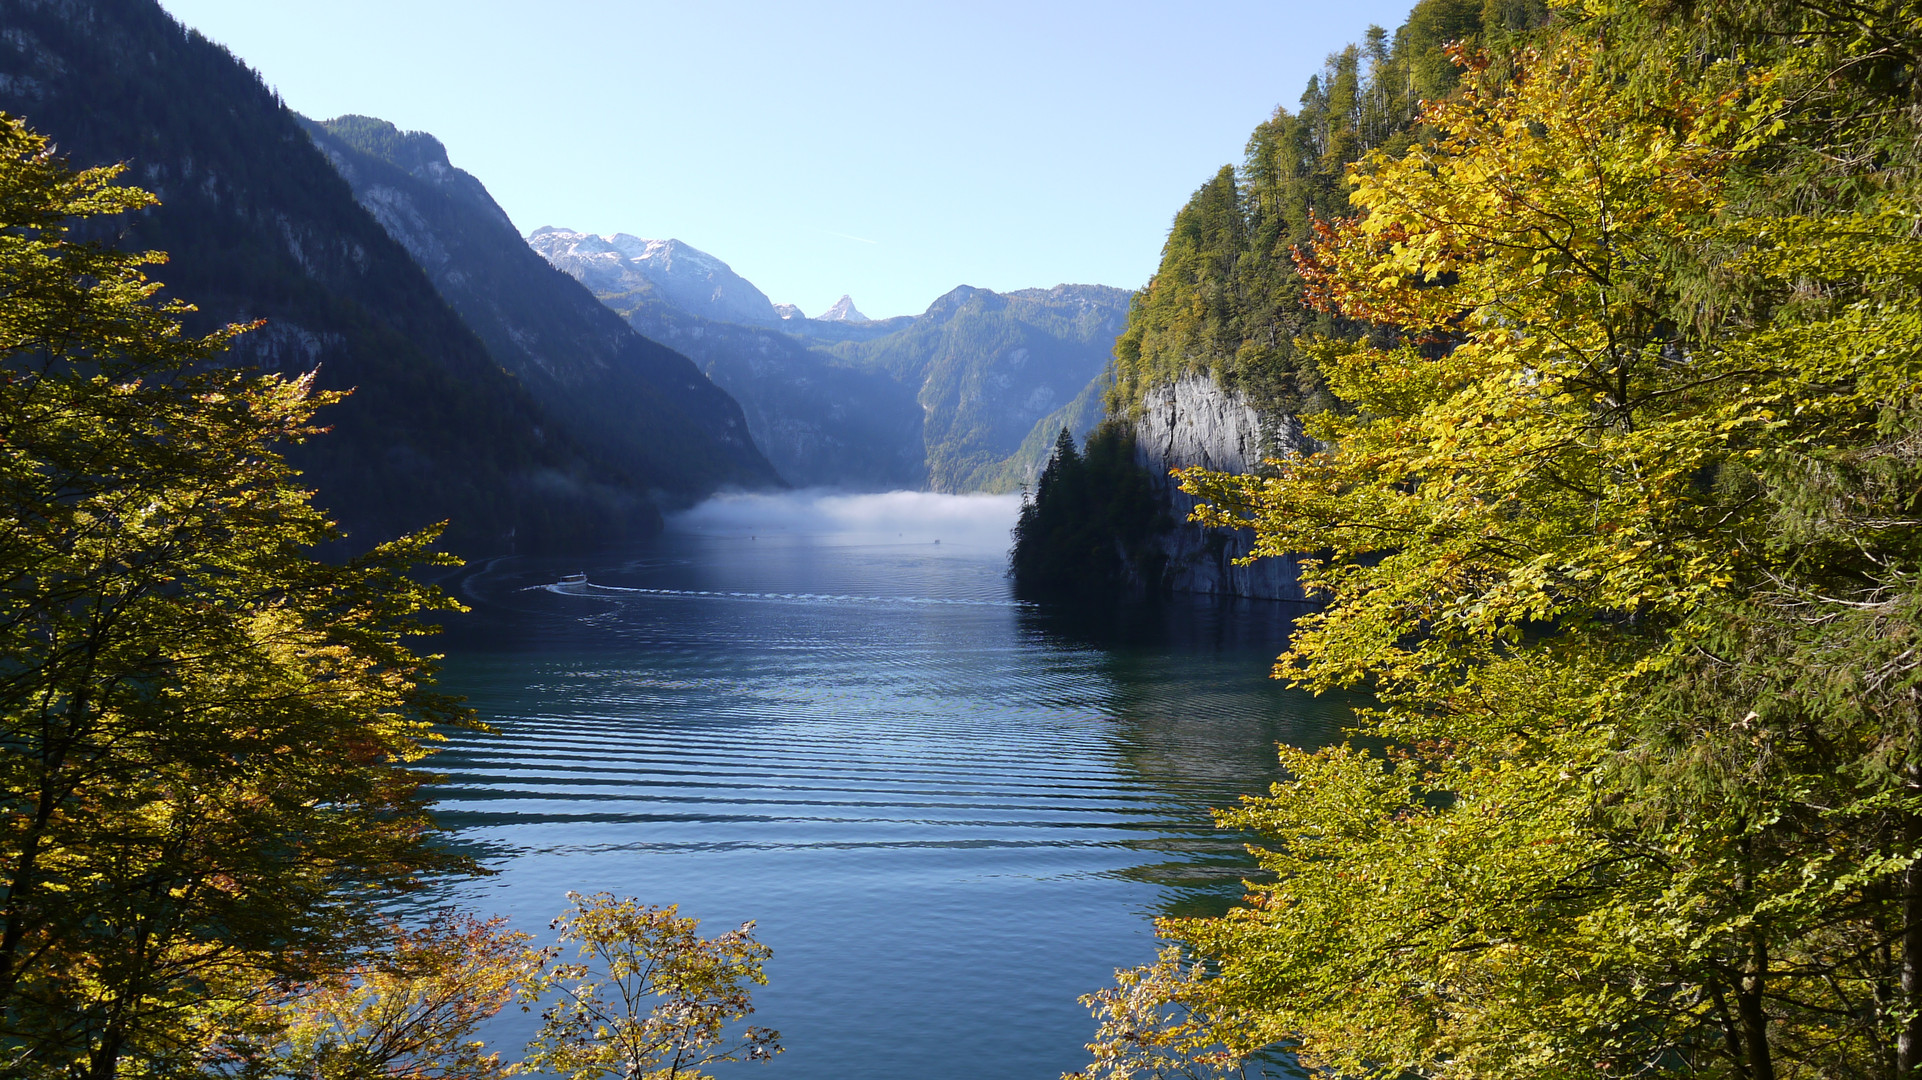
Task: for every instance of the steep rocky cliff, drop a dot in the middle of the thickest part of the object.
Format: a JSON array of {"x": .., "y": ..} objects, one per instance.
[{"x": 1193, "y": 421}]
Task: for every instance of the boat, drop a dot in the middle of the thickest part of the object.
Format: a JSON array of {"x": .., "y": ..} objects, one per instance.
[{"x": 574, "y": 579}]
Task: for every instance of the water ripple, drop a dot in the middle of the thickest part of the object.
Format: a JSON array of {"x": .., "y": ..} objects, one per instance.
[{"x": 945, "y": 817}]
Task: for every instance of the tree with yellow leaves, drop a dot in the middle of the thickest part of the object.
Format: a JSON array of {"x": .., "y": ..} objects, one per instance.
[
  {"x": 657, "y": 1000},
  {"x": 1624, "y": 536},
  {"x": 207, "y": 734}
]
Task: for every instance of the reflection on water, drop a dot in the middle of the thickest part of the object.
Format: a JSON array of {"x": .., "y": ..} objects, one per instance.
[{"x": 951, "y": 813}]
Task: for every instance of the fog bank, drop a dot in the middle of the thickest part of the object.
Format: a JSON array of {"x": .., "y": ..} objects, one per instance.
[{"x": 895, "y": 517}]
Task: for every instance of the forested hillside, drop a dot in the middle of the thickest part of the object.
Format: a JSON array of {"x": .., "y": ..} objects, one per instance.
[
  {"x": 1212, "y": 339},
  {"x": 1619, "y": 518},
  {"x": 1227, "y": 300},
  {"x": 258, "y": 226}
]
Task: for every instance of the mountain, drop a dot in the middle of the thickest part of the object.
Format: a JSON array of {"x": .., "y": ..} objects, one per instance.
[
  {"x": 821, "y": 423},
  {"x": 1207, "y": 372},
  {"x": 638, "y": 406},
  {"x": 966, "y": 396},
  {"x": 259, "y": 225},
  {"x": 843, "y": 311},
  {"x": 992, "y": 369},
  {"x": 1021, "y": 470},
  {"x": 685, "y": 276}
]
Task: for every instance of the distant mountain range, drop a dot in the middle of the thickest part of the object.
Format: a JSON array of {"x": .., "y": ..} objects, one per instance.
[
  {"x": 546, "y": 393},
  {"x": 684, "y": 276},
  {"x": 967, "y": 396}
]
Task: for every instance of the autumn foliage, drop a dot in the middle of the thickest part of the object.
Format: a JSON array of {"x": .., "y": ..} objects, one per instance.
[
  {"x": 210, "y": 737},
  {"x": 1619, "y": 522}
]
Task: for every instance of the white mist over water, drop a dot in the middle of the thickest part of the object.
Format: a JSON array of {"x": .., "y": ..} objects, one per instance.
[{"x": 971, "y": 522}]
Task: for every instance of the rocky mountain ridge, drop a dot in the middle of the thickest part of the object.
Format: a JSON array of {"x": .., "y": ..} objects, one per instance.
[
  {"x": 643, "y": 409},
  {"x": 966, "y": 396},
  {"x": 684, "y": 275}
]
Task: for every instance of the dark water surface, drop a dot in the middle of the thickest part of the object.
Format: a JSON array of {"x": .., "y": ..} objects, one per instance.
[{"x": 950, "y": 813}]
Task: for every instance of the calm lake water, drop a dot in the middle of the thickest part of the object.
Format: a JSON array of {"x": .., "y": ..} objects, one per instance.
[{"x": 950, "y": 813}]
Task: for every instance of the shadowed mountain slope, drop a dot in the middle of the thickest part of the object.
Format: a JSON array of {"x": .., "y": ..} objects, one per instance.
[
  {"x": 989, "y": 368},
  {"x": 639, "y": 406},
  {"x": 821, "y": 423},
  {"x": 258, "y": 225}
]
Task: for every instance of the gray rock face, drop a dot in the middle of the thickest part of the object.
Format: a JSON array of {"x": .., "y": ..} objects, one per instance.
[{"x": 1195, "y": 422}]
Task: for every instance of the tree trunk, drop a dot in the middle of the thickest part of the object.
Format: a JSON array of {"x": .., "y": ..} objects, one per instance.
[
  {"x": 1908, "y": 1041},
  {"x": 1752, "y": 985},
  {"x": 1754, "y": 1018},
  {"x": 1731, "y": 1032}
]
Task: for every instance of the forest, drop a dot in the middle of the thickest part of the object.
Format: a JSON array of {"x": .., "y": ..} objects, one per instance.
[{"x": 1611, "y": 353}]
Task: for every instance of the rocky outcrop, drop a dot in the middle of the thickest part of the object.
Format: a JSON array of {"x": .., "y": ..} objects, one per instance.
[{"x": 1196, "y": 422}]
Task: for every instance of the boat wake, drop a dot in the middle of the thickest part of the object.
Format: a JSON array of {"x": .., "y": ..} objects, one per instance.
[{"x": 570, "y": 587}]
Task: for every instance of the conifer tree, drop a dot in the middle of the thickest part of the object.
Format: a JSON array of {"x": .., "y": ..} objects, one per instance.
[{"x": 1085, "y": 530}]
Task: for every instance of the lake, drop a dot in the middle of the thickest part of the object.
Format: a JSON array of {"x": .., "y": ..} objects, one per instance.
[{"x": 950, "y": 813}]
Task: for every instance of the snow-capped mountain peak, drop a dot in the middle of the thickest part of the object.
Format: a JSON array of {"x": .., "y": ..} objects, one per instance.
[
  {"x": 686, "y": 276},
  {"x": 843, "y": 311}
]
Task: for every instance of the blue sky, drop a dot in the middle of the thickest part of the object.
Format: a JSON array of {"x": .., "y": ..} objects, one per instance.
[{"x": 887, "y": 150}]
